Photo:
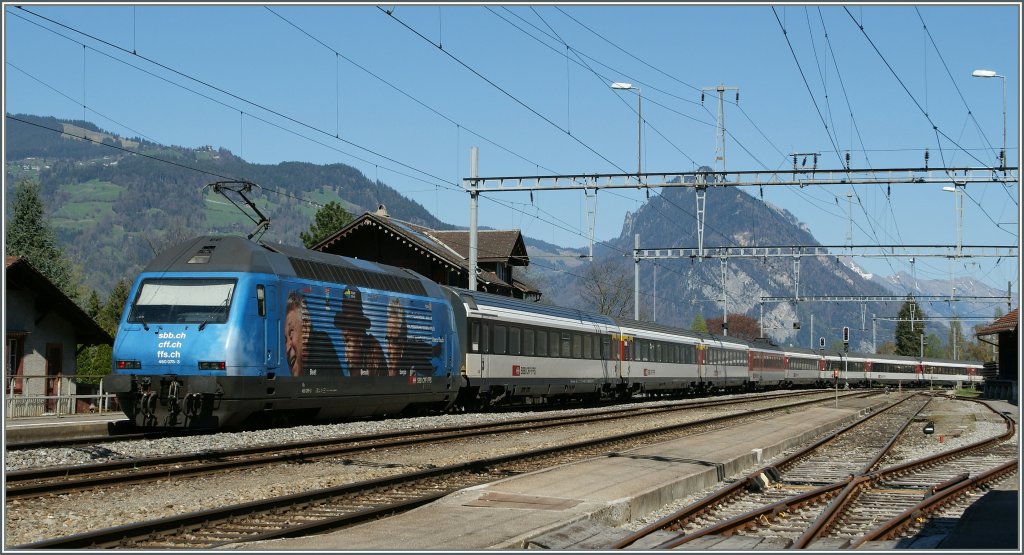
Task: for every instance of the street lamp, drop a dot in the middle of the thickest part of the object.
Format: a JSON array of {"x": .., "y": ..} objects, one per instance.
[
  {"x": 639, "y": 120},
  {"x": 958, "y": 201},
  {"x": 990, "y": 73}
]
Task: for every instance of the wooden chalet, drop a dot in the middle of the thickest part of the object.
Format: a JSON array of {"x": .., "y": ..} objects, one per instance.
[
  {"x": 43, "y": 334},
  {"x": 1005, "y": 384},
  {"x": 442, "y": 256}
]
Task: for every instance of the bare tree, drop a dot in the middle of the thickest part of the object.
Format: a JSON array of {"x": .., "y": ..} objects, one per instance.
[{"x": 607, "y": 288}]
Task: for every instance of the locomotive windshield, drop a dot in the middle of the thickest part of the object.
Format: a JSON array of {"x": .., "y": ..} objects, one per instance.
[{"x": 183, "y": 301}]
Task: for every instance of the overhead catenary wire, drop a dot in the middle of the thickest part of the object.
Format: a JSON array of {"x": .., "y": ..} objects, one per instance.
[
  {"x": 502, "y": 90},
  {"x": 460, "y": 125},
  {"x": 935, "y": 128},
  {"x": 970, "y": 113},
  {"x": 233, "y": 95},
  {"x": 445, "y": 184},
  {"x": 102, "y": 115},
  {"x": 835, "y": 147},
  {"x": 216, "y": 101},
  {"x": 336, "y": 129}
]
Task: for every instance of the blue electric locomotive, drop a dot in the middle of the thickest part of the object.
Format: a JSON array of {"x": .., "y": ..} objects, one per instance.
[{"x": 221, "y": 329}]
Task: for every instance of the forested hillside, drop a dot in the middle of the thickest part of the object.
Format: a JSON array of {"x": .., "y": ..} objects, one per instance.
[{"x": 114, "y": 209}]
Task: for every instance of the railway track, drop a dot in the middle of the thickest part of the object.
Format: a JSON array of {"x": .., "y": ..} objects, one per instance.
[
  {"x": 331, "y": 508},
  {"x": 71, "y": 479},
  {"x": 836, "y": 493}
]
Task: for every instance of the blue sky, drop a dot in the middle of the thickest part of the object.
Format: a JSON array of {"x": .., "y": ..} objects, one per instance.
[{"x": 529, "y": 85}]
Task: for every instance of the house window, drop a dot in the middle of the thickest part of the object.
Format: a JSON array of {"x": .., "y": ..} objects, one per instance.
[
  {"x": 12, "y": 365},
  {"x": 501, "y": 270}
]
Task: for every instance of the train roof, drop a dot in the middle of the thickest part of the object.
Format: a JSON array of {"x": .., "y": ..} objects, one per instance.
[
  {"x": 500, "y": 301},
  {"x": 213, "y": 254},
  {"x": 649, "y": 326},
  {"x": 801, "y": 351},
  {"x": 230, "y": 253}
]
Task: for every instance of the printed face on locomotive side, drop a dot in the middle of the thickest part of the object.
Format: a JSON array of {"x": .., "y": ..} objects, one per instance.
[{"x": 347, "y": 331}]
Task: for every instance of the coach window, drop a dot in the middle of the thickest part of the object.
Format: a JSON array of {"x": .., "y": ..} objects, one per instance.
[
  {"x": 499, "y": 340},
  {"x": 586, "y": 346},
  {"x": 485, "y": 338},
  {"x": 528, "y": 345},
  {"x": 577, "y": 345},
  {"x": 542, "y": 343},
  {"x": 514, "y": 341},
  {"x": 475, "y": 347},
  {"x": 606, "y": 348},
  {"x": 553, "y": 341}
]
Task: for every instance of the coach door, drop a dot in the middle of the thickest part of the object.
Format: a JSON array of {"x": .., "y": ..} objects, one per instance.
[{"x": 266, "y": 307}]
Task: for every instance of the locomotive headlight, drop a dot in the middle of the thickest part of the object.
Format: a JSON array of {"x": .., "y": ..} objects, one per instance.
[
  {"x": 129, "y": 365},
  {"x": 212, "y": 366}
]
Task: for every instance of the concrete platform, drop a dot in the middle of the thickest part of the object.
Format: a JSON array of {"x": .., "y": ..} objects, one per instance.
[
  {"x": 992, "y": 522},
  {"x": 45, "y": 428},
  {"x": 608, "y": 490}
]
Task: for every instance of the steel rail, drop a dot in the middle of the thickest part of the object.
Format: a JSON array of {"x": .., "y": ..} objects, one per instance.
[
  {"x": 116, "y": 535},
  {"x": 941, "y": 498},
  {"x": 768, "y": 511},
  {"x": 723, "y": 495},
  {"x": 849, "y": 486},
  {"x": 214, "y": 461},
  {"x": 843, "y": 500}
]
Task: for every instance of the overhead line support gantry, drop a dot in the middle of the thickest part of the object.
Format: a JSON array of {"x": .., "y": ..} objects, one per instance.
[{"x": 700, "y": 181}]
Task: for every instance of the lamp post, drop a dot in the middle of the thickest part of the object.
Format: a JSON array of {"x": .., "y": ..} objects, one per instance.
[
  {"x": 958, "y": 202},
  {"x": 990, "y": 73},
  {"x": 639, "y": 121}
]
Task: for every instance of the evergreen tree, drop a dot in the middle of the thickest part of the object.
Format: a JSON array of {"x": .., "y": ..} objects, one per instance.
[
  {"x": 93, "y": 305},
  {"x": 30, "y": 236},
  {"x": 329, "y": 219},
  {"x": 699, "y": 324},
  {"x": 96, "y": 361},
  {"x": 110, "y": 315},
  {"x": 909, "y": 329}
]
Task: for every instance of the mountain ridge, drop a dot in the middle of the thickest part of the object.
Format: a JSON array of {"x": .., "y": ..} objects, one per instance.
[{"x": 113, "y": 210}]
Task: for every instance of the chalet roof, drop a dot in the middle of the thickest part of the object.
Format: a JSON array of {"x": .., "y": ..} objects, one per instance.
[
  {"x": 22, "y": 275},
  {"x": 448, "y": 247},
  {"x": 492, "y": 245},
  {"x": 1004, "y": 324}
]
